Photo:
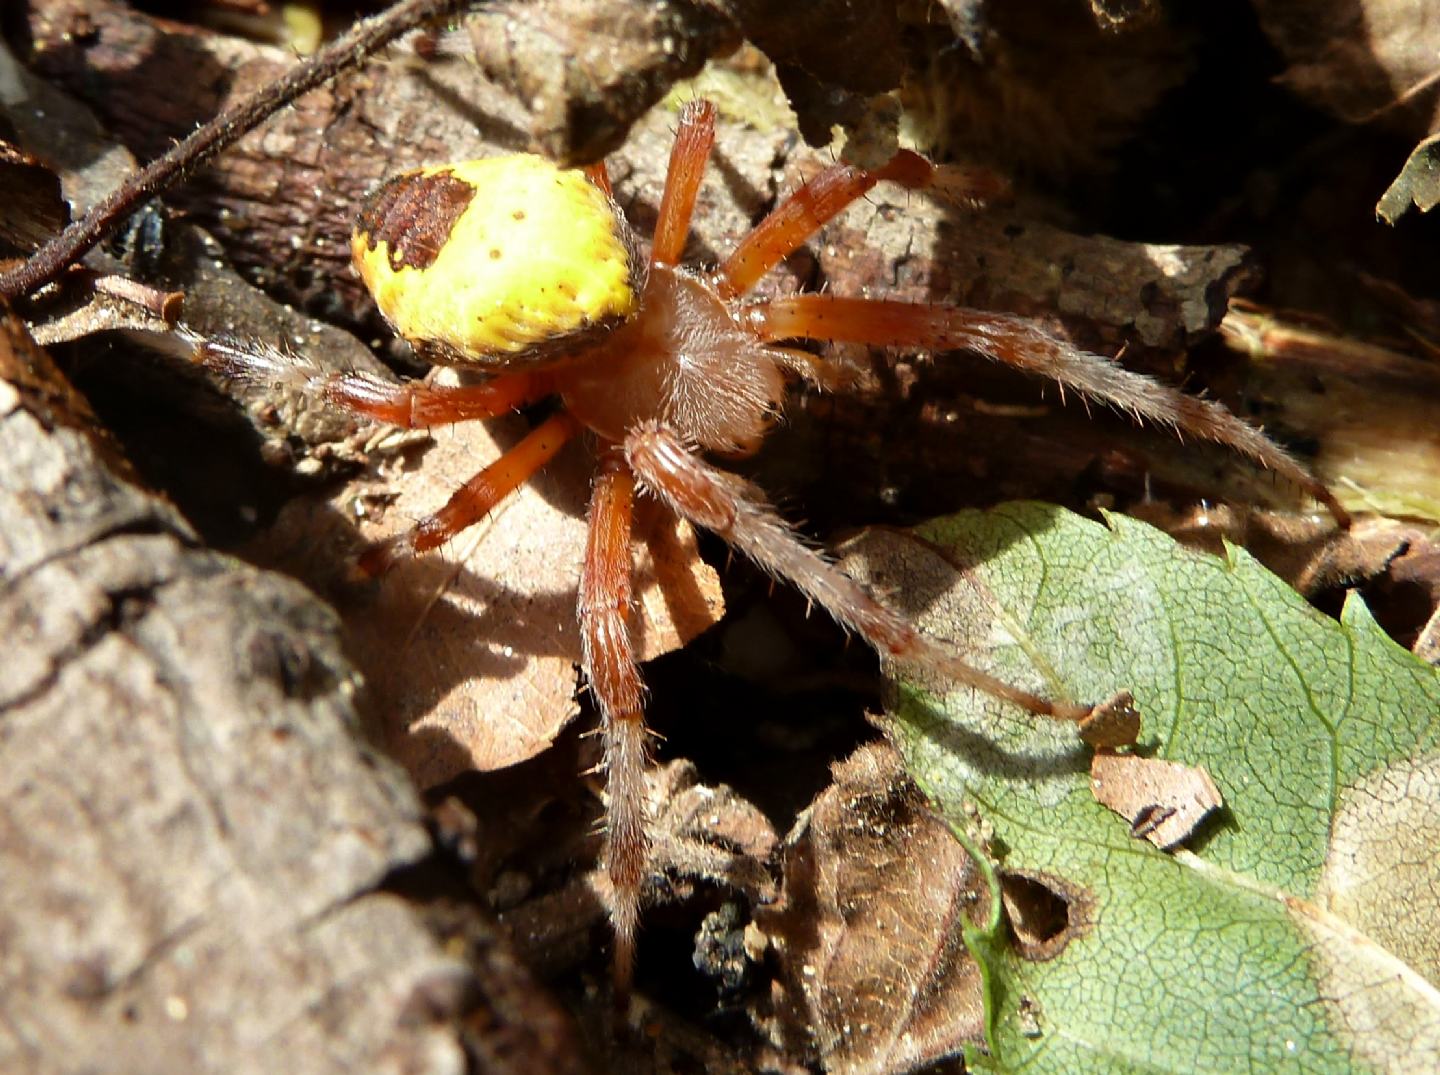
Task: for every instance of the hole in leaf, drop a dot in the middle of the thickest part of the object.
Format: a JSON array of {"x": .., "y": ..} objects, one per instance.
[{"x": 1045, "y": 912}]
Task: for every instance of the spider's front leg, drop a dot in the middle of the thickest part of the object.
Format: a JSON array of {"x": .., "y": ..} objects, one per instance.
[
  {"x": 477, "y": 498},
  {"x": 614, "y": 677},
  {"x": 805, "y": 211},
  {"x": 1012, "y": 340},
  {"x": 1025, "y": 345},
  {"x": 694, "y": 136}
]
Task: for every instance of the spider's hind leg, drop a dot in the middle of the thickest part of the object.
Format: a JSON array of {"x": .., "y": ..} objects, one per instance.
[
  {"x": 411, "y": 405},
  {"x": 604, "y": 609},
  {"x": 736, "y": 511}
]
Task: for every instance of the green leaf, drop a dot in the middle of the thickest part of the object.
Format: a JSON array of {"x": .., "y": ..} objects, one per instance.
[{"x": 1301, "y": 930}]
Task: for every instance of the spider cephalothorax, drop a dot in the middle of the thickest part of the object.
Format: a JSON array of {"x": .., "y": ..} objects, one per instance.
[{"x": 529, "y": 273}]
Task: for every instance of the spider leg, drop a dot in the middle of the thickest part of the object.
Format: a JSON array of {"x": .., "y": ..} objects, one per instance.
[
  {"x": 411, "y": 404},
  {"x": 1025, "y": 345},
  {"x": 417, "y": 405},
  {"x": 477, "y": 497},
  {"x": 604, "y": 608},
  {"x": 798, "y": 217},
  {"x": 693, "y": 140},
  {"x": 737, "y": 511},
  {"x": 598, "y": 174}
]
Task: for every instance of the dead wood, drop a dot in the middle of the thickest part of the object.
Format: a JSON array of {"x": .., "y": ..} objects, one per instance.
[{"x": 195, "y": 840}]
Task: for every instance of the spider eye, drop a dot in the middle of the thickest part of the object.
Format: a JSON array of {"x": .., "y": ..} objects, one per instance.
[{"x": 496, "y": 262}]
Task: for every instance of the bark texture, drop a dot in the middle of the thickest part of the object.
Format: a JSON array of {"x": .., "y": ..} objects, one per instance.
[{"x": 195, "y": 841}]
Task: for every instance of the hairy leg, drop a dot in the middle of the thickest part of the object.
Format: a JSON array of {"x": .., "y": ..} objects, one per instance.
[
  {"x": 411, "y": 404},
  {"x": 598, "y": 174},
  {"x": 477, "y": 497},
  {"x": 801, "y": 214},
  {"x": 693, "y": 140},
  {"x": 1019, "y": 342},
  {"x": 738, "y": 512},
  {"x": 604, "y": 609}
]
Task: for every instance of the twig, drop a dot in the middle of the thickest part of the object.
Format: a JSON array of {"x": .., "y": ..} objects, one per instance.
[{"x": 164, "y": 305}]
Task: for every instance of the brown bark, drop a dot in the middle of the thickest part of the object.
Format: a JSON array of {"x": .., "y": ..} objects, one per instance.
[{"x": 195, "y": 840}]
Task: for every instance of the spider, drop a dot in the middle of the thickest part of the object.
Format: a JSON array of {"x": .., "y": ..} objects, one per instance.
[{"x": 529, "y": 273}]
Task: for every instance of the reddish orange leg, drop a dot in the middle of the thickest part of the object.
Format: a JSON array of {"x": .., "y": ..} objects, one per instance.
[
  {"x": 598, "y": 174},
  {"x": 737, "y": 511},
  {"x": 799, "y": 216},
  {"x": 477, "y": 497},
  {"x": 693, "y": 140},
  {"x": 615, "y": 680},
  {"x": 1023, "y": 344},
  {"x": 411, "y": 404},
  {"x": 416, "y": 405}
]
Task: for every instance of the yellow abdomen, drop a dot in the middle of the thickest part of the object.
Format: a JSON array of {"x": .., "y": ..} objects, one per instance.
[{"x": 496, "y": 262}]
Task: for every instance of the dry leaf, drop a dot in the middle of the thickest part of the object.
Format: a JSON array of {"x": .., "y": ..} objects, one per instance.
[
  {"x": 1418, "y": 183},
  {"x": 471, "y": 651},
  {"x": 874, "y": 976},
  {"x": 1164, "y": 801},
  {"x": 1358, "y": 59}
]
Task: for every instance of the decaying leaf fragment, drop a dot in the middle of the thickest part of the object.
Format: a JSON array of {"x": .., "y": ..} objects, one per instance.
[
  {"x": 1164, "y": 801},
  {"x": 874, "y": 974},
  {"x": 704, "y": 836},
  {"x": 1113, "y": 723},
  {"x": 1418, "y": 183},
  {"x": 32, "y": 208}
]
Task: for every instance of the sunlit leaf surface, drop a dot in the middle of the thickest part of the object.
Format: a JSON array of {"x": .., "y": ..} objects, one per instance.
[{"x": 1299, "y": 930}]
